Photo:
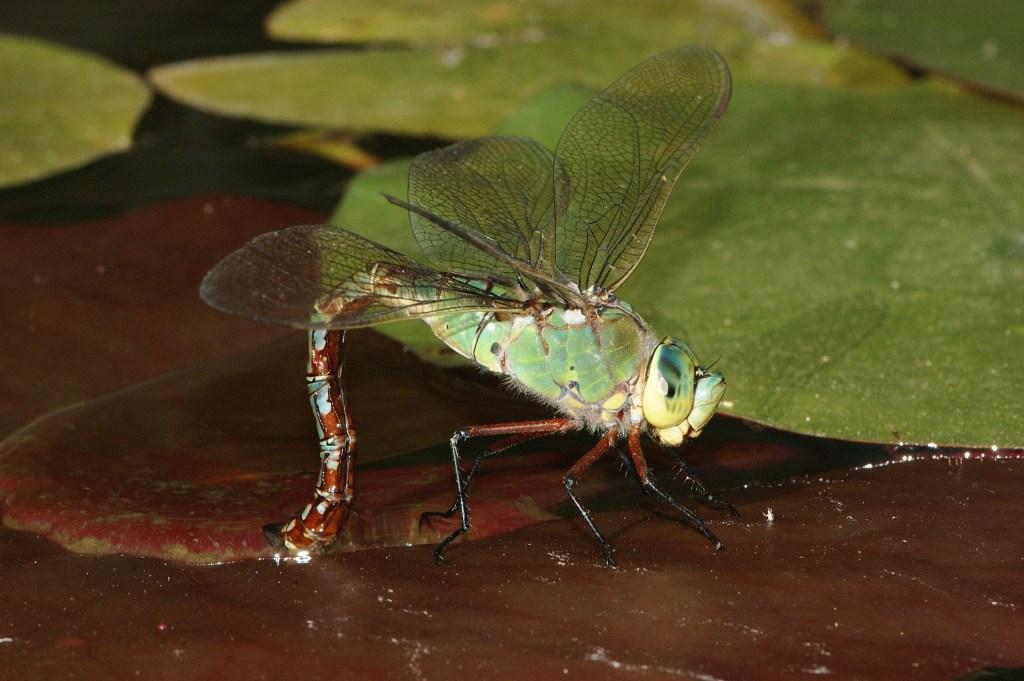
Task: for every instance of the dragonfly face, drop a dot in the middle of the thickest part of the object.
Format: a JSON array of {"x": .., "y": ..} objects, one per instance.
[{"x": 679, "y": 396}]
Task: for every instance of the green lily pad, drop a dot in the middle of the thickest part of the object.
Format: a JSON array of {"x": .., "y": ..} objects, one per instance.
[
  {"x": 60, "y": 108},
  {"x": 463, "y": 89},
  {"x": 501, "y": 21},
  {"x": 856, "y": 261},
  {"x": 983, "y": 44},
  {"x": 331, "y": 21}
]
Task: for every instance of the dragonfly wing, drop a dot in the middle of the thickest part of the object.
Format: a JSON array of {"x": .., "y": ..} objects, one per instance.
[
  {"x": 624, "y": 151},
  {"x": 325, "y": 277},
  {"x": 502, "y": 188}
]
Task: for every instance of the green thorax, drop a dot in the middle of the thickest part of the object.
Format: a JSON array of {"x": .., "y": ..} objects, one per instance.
[{"x": 587, "y": 368}]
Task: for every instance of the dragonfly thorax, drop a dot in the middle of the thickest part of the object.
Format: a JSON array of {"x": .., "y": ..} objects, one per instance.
[
  {"x": 602, "y": 366},
  {"x": 587, "y": 363}
]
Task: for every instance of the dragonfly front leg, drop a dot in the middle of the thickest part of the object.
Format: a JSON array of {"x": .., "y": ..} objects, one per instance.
[
  {"x": 518, "y": 432},
  {"x": 317, "y": 525},
  {"x": 649, "y": 486},
  {"x": 701, "y": 492}
]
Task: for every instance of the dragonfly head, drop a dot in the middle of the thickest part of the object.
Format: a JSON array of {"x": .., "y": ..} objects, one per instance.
[{"x": 679, "y": 396}]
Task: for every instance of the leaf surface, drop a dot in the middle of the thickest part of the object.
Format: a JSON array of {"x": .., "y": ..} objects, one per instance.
[{"x": 61, "y": 107}]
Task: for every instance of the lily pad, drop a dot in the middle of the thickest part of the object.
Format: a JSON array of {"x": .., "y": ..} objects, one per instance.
[
  {"x": 463, "y": 89},
  {"x": 161, "y": 470},
  {"x": 982, "y": 44},
  {"x": 179, "y": 152},
  {"x": 859, "y": 273},
  {"x": 859, "y": 575},
  {"x": 330, "y": 21},
  {"x": 60, "y": 108},
  {"x": 500, "y": 21},
  {"x": 91, "y": 307}
]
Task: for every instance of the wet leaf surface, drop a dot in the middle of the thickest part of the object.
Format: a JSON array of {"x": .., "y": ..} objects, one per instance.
[
  {"x": 60, "y": 108},
  {"x": 981, "y": 45},
  {"x": 859, "y": 275},
  {"x": 909, "y": 571}
]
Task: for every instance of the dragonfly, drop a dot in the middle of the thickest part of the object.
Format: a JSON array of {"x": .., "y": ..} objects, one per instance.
[{"x": 527, "y": 249}]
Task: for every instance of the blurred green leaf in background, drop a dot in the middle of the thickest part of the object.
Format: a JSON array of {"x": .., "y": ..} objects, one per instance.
[
  {"x": 61, "y": 107},
  {"x": 979, "y": 42},
  {"x": 456, "y": 81}
]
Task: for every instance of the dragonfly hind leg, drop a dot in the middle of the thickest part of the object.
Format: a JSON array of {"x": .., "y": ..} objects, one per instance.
[
  {"x": 517, "y": 432},
  {"x": 649, "y": 485},
  {"x": 318, "y": 524},
  {"x": 467, "y": 477}
]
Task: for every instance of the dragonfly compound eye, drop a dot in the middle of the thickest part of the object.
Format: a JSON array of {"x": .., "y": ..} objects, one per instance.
[{"x": 668, "y": 390}]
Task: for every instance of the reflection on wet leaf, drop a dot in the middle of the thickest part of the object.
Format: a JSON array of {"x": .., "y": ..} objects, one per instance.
[
  {"x": 189, "y": 466},
  {"x": 60, "y": 108}
]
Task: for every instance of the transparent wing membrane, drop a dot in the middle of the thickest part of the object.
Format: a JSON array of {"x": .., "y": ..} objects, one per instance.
[
  {"x": 623, "y": 152},
  {"x": 507, "y": 218},
  {"x": 324, "y": 277},
  {"x": 503, "y": 188}
]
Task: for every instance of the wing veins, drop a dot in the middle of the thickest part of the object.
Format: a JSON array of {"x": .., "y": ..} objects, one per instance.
[{"x": 562, "y": 288}]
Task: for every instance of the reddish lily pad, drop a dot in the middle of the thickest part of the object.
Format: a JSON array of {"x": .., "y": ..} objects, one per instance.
[
  {"x": 190, "y": 466},
  {"x": 95, "y": 306}
]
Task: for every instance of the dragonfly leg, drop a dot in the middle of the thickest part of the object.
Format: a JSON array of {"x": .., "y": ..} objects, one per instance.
[
  {"x": 518, "y": 431},
  {"x": 572, "y": 477},
  {"x": 467, "y": 478},
  {"x": 701, "y": 492},
  {"x": 626, "y": 464},
  {"x": 317, "y": 525},
  {"x": 649, "y": 485}
]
